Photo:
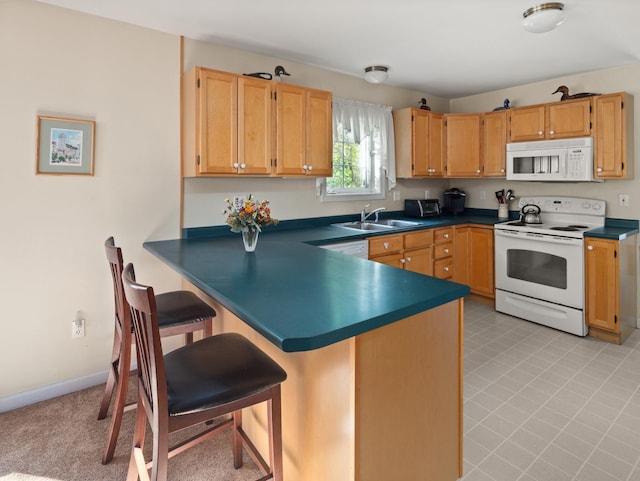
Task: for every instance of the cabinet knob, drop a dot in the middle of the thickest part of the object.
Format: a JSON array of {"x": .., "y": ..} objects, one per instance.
[
  {"x": 243, "y": 166},
  {"x": 310, "y": 167},
  {"x": 502, "y": 171},
  {"x": 540, "y": 132},
  {"x": 551, "y": 132},
  {"x": 402, "y": 261},
  {"x": 599, "y": 169},
  {"x": 236, "y": 165},
  {"x": 446, "y": 269},
  {"x": 446, "y": 251},
  {"x": 304, "y": 167},
  {"x": 386, "y": 245},
  {"x": 446, "y": 236},
  {"x": 590, "y": 248},
  {"x": 408, "y": 259},
  {"x": 478, "y": 171}
]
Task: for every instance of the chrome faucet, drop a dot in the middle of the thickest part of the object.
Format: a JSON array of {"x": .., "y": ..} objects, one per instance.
[{"x": 364, "y": 215}]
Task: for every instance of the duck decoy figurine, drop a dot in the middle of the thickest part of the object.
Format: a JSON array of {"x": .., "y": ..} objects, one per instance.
[
  {"x": 280, "y": 71},
  {"x": 565, "y": 93},
  {"x": 505, "y": 105},
  {"x": 423, "y": 104}
]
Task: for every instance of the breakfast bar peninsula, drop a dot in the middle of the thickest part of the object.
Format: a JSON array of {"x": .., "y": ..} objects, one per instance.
[{"x": 373, "y": 353}]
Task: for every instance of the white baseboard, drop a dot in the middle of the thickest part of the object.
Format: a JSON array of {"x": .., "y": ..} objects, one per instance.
[{"x": 44, "y": 393}]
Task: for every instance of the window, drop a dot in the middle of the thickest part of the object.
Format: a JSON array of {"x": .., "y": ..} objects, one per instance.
[{"x": 363, "y": 152}]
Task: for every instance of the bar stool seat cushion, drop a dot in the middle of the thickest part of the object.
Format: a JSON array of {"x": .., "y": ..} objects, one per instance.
[
  {"x": 181, "y": 307},
  {"x": 217, "y": 370}
]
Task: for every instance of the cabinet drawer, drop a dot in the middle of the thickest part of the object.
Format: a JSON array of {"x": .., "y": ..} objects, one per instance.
[
  {"x": 421, "y": 238},
  {"x": 443, "y": 235},
  {"x": 443, "y": 250},
  {"x": 443, "y": 268},
  {"x": 385, "y": 245}
]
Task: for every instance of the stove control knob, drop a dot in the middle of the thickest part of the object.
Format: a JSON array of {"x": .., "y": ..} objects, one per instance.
[
  {"x": 596, "y": 206},
  {"x": 586, "y": 204}
]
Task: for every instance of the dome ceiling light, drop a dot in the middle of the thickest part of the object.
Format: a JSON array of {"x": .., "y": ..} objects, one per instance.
[
  {"x": 376, "y": 74},
  {"x": 544, "y": 17}
]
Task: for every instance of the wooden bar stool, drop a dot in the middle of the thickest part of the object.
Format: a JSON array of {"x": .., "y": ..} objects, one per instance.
[
  {"x": 194, "y": 384},
  {"x": 179, "y": 312}
]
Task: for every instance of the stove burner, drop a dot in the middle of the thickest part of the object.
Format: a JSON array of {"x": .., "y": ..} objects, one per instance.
[
  {"x": 520, "y": 223},
  {"x": 568, "y": 228},
  {"x": 578, "y": 226}
]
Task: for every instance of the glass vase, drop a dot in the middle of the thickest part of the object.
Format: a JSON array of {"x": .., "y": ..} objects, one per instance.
[{"x": 250, "y": 239}]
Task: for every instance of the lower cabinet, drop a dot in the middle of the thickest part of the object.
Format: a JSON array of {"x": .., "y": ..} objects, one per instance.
[
  {"x": 410, "y": 251},
  {"x": 462, "y": 254},
  {"x": 610, "y": 288},
  {"x": 474, "y": 259}
]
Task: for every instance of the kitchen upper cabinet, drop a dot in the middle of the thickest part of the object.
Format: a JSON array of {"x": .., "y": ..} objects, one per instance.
[
  {"x": 227, "y": 124},
  {"x": 610, "y": 288},
  {"x": 463, "y": 154},
  {"x": 419, "y": 143},
  {"x": 494, "y": 143},
  {"x": 558, "y": 120},
  {"x": 304, "y": 131},
  {"x": 613, "y": 138},
  {"x": 474, "y": 259}
]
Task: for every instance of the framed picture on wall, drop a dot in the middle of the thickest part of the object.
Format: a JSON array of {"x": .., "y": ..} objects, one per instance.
[{"x": 65, "y": 146}]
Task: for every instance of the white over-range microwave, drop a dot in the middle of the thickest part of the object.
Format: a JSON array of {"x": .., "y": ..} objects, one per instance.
[{"x": 564, "y": 160}]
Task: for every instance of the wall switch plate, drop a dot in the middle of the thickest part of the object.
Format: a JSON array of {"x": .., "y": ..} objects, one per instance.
[
  {"x": 77, "y": 328},
  {"x": 426, "y": 194},
  {"x": 623, "y": 200},
  {"x": 483, "y": 194},
  {"x": 397, "y": 195}
]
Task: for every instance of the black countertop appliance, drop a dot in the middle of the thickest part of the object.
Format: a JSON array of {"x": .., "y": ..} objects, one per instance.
[
  {"x": 454, "y": 200},
  {"x": 421, "y": 208}
]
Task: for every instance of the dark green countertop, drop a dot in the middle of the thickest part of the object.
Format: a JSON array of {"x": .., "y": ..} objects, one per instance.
[
  {"x": 301, "y": 297},
  {"x": 298, "y": 296}
]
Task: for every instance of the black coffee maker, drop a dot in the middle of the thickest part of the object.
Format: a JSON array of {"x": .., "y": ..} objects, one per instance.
[{"x": 453, "y": 202}]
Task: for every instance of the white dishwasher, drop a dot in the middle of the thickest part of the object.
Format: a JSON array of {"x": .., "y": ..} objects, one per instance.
[{"x": 359, "y": 248}]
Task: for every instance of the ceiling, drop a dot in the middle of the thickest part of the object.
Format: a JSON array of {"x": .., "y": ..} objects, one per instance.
[{"x": 447, "y": 48}]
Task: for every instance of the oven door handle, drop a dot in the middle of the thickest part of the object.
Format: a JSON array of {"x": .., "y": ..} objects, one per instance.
[{"x": 553, "y": 239}]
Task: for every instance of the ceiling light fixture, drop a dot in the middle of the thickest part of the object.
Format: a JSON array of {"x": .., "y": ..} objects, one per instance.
[
  {"x": 376, "y": 74},
  {"x": 544, "y": 17}
]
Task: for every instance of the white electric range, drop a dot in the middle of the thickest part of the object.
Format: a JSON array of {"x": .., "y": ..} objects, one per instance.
[{"x": 539, "y": 268}]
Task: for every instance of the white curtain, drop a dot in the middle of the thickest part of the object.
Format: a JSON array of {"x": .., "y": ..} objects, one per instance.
[{"x": 364, "y": 119}]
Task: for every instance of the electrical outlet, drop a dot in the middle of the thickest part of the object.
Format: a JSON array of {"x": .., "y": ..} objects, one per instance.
[
  {"x": 623, "y": 200},
  {"x": 77, "y": 328},
  {"x": 426, "y": 194},
  {"x": 483, "y": 194},
  {"x": 397, "y": 195}
]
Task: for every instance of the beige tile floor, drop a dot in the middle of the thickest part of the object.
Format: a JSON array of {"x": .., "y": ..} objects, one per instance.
[{"x": 544, "y": 405}]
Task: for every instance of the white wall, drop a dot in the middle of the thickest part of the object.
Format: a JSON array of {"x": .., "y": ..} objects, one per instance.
[{"x": 62, "y": 63}]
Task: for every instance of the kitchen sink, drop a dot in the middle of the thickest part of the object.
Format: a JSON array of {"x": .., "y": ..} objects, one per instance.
[
  {"x": 364, "y": 226},
  {"x": 380, "y": 225},
  {"x": 397, "y": 223}
]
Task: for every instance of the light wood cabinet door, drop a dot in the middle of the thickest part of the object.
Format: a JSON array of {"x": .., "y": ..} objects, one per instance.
[
  {"x": 568, "y": 119},
  {"x": 255, "y": 126},
  {"x": 601, "y": 281},
  {"x": 419, "y": 143},
  {"x": 304, "y": 131},
  {"x": 613, "y": 146},
  {"x": 291, "y": 104},
  {"x": 526, "y": 123},
  {"x": 319, "y": 122},
  {"x": 463, "y": 235},
  {"x": 481, "y": 268},
  {"x": 463, "y": 145},
  {"x": 494, "y": 143},
  {"x": 419, "y": 260},
  {"x": 216, "y": 127}
]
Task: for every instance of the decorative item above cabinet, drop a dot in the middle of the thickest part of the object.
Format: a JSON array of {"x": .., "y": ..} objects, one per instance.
[{"x": 241, "y": 125}]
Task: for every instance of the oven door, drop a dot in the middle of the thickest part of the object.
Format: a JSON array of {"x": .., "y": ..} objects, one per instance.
[{"x": 540, "y": 266}]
